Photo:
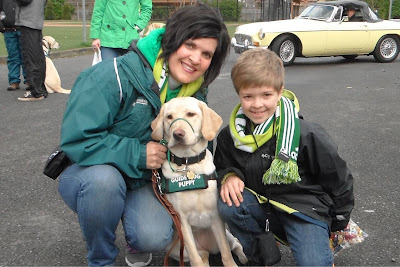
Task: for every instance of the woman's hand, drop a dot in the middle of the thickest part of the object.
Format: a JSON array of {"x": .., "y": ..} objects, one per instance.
[
  {"x": 96, "y": 44},
  {"x": 156, "y": 154},
  {"x": 231, "y": 191}
]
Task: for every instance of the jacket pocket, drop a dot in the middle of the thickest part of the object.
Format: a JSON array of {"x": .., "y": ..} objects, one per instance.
[{"x": 135, "y": 123}]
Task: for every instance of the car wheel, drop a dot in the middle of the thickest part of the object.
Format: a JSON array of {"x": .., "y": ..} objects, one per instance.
[
  {"x": 387, "y": 49},
  {"x": 350, "y": 57},
  {"x": 285, "y": 48}
]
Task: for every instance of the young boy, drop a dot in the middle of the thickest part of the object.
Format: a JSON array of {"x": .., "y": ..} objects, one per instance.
[{"x": 268, "y": 151}]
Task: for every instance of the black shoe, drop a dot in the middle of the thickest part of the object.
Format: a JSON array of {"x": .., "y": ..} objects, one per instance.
[{"x": 29, "y": 97}]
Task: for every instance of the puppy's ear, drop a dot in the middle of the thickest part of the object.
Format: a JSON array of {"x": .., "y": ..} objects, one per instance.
[
  {"x": 211, "y": 122},
  {"x": 158, "y": 126}
]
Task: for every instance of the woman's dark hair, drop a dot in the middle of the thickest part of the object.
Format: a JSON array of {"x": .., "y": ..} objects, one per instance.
[{"x": 194, "y": 22}]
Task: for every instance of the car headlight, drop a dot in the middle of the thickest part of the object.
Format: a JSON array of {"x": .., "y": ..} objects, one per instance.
[{"x": 261, "y": 34}]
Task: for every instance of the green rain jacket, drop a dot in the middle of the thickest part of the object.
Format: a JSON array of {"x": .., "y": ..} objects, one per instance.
[{"x": 113, "y": 22}]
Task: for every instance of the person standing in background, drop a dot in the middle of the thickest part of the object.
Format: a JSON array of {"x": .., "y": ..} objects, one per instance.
[
  {"x": 115, "y": 24},
  {"x": 29, "y": 17},
  {"x": 12, "y": 41}
]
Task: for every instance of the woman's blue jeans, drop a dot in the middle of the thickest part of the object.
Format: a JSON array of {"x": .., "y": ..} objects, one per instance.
[
  {"x": 99, "y": 196},
  {"x": 109, "y": 52},
  {"x": 14, "y": 58},
  {"x": 308, "y": 242}
]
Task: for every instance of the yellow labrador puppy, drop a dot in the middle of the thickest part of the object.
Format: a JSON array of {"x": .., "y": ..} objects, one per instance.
[
  {"x": 151, "y": 27},
  {"x": 187, "y": 125},
  {"x": 52, "y": 81}
]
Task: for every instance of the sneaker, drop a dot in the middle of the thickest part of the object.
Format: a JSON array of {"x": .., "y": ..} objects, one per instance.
[
  {"x": 133, "y": 258},
  {"x": 29, "y": 97},
  {"x": 13, "y": 87}
]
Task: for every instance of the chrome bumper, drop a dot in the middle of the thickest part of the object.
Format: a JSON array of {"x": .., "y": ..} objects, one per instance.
[{"x": 240, "y": 48}]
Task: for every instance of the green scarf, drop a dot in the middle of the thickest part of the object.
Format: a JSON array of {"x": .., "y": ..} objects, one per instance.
[
  {"x": 285, "y": 124},
  {"x": 150, "y": 46}
]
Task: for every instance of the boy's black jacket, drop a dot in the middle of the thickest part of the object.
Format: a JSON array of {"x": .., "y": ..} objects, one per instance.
[{"x": 326, "y": 187}]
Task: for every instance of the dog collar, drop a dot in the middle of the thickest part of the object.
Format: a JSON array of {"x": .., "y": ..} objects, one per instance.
[
  {"x": 188, "y": 160},
  {"x": 183, "y": 183}
]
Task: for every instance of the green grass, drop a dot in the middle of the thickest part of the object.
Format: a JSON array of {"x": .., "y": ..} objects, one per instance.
[
  {"x": 67, "y": 37},
  {"x": 72, "y": 37}
]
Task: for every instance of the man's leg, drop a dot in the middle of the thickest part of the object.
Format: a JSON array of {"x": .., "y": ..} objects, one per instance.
[
  {"x": 97, "y": 194},
  {"x": 14, "y": 60},
  {"x": 34, "y": 61},
  {"x": 20, "y": 55}
]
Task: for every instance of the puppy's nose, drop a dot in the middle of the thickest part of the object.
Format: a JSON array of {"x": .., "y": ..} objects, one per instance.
[{"x": 179, "y": 134}]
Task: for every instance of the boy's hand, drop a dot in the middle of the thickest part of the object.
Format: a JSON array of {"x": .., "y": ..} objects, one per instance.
[{"x": 231, "y": 191}]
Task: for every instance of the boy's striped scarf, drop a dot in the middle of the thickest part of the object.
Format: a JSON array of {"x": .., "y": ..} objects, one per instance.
[{"x": 285, "y": 124}]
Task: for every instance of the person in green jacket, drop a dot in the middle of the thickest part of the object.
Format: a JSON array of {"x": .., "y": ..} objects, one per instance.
[
  {"x": 115, "y": 24},
  {"x": 106, "y": 132}
]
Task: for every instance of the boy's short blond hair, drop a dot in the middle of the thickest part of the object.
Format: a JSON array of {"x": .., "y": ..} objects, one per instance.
[{"x": 258, "y": 67}]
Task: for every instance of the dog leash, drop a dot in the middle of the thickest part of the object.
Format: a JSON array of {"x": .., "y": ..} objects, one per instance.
[{"x": 156, "y": 181}]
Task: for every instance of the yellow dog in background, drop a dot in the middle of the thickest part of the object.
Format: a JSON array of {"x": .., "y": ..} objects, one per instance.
[
  {"x": 52, "y": 81},
  {"x": 151, "y": 27}
]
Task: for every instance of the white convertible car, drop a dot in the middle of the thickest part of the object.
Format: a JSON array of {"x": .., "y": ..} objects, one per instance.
[{"x": 324, "y": 29}]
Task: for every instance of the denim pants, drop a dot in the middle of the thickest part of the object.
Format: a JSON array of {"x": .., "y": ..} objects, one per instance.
[
  {"x": 99, "y": 196},
  {"x": 308, "y": 242},
  {"x": 108, "y": 52},
  {"x": 14, "y": 58}
]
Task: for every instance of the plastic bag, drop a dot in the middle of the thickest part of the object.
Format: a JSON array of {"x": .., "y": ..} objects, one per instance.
[
  {"x": 96, "y": 57},
  {"x": 347, "y": 237}
]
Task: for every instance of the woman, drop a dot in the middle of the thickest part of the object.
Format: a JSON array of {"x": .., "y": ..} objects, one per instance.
[
  {"x": 106, "y": 132},
  {"x": 116, "y": 23}
]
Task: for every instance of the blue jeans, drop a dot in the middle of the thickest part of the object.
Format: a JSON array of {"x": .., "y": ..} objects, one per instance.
[
  {"x": 308, "y": 242},
  {"x": 14, "y": 58},
  {"x": 108, "y": 52},
  {"x": 99, "y": 196}
]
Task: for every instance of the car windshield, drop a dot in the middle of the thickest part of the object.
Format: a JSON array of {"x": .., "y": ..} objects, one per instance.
[
  {"x": 373, "y": 15},
  {"x": 317, "y": 12}
]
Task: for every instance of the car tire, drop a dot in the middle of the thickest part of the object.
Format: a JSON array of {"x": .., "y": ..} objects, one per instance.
[
  {"x": 285, "y": 47},
  {"x": 387, "y": 49},
  {"x": 350, "y": 57}
]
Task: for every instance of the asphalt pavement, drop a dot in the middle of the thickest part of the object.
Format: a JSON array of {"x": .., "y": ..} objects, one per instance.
[{"x": 357, "y": 102}]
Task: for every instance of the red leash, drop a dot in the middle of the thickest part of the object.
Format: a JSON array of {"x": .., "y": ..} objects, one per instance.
[{"x": 156, "y": 181}]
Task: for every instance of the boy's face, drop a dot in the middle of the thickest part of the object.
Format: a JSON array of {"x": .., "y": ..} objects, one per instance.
[{"x": 259, "y": 103}]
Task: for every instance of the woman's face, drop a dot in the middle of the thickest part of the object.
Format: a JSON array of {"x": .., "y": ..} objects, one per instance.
[{"x": 192, "y": 59}]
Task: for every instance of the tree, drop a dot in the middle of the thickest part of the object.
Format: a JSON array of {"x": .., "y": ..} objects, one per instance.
[
  {"x": 49, "y": 10},
  {"x": 230, "y": 9},
  {"x": 383, "y": 8},
  {"x": 57, "y": 9},
  {"x": 67, "y": 11}
]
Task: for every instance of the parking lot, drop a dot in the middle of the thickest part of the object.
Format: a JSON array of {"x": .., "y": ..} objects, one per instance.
[{"x": 356, "y": 101}]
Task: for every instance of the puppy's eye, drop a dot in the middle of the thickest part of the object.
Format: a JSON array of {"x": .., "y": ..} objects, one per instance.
[
  {"x": 190, "y": 114},
  {"x": 169, "y": 117}
]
